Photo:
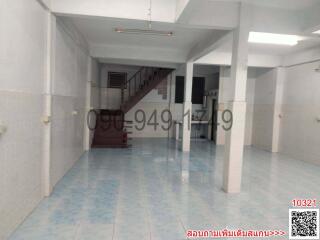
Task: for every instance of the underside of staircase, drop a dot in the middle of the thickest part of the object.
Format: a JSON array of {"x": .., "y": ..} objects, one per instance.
[
  {"x": 111, "y": 130},
  {"x": 146, "y": 79}
]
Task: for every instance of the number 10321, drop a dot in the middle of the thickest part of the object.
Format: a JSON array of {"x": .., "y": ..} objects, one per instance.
[{"x": 304, "y": 203}]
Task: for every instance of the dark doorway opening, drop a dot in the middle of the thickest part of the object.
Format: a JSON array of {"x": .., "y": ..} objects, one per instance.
[{"x": 214, "y": 121}]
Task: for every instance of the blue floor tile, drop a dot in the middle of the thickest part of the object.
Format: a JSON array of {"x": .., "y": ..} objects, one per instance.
[{"x": 154, "y": 191}]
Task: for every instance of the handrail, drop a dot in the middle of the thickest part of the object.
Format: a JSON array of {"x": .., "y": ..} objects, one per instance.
[
  {"x": 127, "y": 84},
  {"x": 137, "y": 82},
  {"x": 140, "y": 69}
]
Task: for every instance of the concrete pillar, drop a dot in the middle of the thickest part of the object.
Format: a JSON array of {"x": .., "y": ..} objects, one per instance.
[
  {"x": 187, "y": 108},
  {"x": 171, "y": 90},
  {"x": 185, "y": 162},
  {"x": 86, "y": 140},
  {"x": 224, "y": 77},
  {"x": 47, "y": 111},
  {"x": 279, "y": 81},
  {"x": 235, "y": 137}
]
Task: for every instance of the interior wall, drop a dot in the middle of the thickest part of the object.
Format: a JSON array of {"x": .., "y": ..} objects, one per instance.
[
  {"x": 300, "y": 130},
  {"x": 148, "y": 131},
  {"x": 23, "y": 26},
  {"x": 94, "y": 95},
  {"x": 111, "y": 97},
  {"x": 225, "y": 92},
  {"x": 211, "y": 75},
  {"x": 263, "y": 115},
  {"x": 95, "y": 85},
  {"x": 68, "y": 100},
  {"x": 152, "y": 102}
]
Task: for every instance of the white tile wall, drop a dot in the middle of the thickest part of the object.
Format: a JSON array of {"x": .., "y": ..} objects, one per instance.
[
  {"x": 71, "y": 65},
  {"x": 67, "y": 135},
  {"x": 22, "y": 59},
  {"x": 300, "y": 132},
  {"x": 264, "y": 109},
  {"x": 21, "y": 157},
  {"x": 23, "y": 31},
  {"x": 95, "y": 97},
  {"x": 225, "y": 96},
  {"x": 69, "y": 91},
  {"x": 148, "y": 131},
  {"x": 95, "y": 85}
]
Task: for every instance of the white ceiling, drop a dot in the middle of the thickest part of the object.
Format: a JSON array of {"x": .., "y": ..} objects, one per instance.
[
  {"x": 102, "y": 38},
  {"x": 284, "y": 4},
  {"x": 281, "y": 50},
  {"x": 276, "y": 50},
  {"x": 101, "y": 31},
  {"x": 200, "y": 70}
]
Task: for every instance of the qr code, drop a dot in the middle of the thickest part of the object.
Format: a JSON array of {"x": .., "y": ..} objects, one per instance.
[{"x": 304, "y": 223}]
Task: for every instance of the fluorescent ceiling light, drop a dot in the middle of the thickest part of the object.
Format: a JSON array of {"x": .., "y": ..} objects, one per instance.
[
  {"x": 144, "y": 31},
  {"x": 272, "y": 38},
  {"x": 317, "y": 32}
]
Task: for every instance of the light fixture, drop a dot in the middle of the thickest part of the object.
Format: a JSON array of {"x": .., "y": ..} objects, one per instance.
[
  {"x": 143, "y": 31},
  {"x": 317, "y": 32},
  {"x": 272, "y": 38},
  {"x": 147, "y": 31}
]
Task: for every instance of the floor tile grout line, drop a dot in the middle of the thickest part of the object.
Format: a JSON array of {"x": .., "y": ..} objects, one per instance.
[
  {"x": 156, "y": 172},
  {"x": 198, "y": 196},
  {"x": 144, "y": 194},
  {"x": 77, "y": 233},
  {"x": 113, "y": 230}
]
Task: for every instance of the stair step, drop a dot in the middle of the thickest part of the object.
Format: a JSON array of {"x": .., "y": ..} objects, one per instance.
[
  {"x": 109, "y": 141},
  {"x": 107, "y": 134},
  {"x": 110, "y": 146}
]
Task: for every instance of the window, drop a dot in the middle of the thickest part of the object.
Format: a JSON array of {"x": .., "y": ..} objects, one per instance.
[
  {"x": 198, "y": 90},
  {"x": 179, "y": 89},
  {"x": 198, "y": 85},
  {"x": 116, "y": 79}
]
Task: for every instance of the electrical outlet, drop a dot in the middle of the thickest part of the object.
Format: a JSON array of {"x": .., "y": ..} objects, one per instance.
[
  {"x": 75, "y": 112},
  {"x": 46, "y": 119}
]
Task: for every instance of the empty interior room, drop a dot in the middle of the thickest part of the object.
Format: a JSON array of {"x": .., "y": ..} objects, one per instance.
[{"x": 159, "y": 119}]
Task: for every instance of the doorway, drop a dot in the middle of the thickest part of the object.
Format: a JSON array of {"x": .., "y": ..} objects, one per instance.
[{"x": 214, "y": 121}]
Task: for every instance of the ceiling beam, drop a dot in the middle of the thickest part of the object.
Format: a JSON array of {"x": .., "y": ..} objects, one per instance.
[
  {"x": 254, "y": 60},
  {"x": 184, "y": 10},
  {"x": 208, "y": 45},
  {"x": 311, "y": 19},
  {"x": 209, "y": 14},
  {"x": 138, "y": 63},
  {"x": 137, "y": 53},
  {"x": 46, "y": 4},
  {"x": 162, "y": 11}
]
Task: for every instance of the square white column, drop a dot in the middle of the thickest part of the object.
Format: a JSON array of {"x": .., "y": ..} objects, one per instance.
[
  {"x": 280, "y": 77},
  {"x": 234, "y": 146},
  {"x": 233, "y": 158},
  {"x": 186, "y": 126},
  {"x": 46, "y": 185},
  {"x": 187, "y": 108}
]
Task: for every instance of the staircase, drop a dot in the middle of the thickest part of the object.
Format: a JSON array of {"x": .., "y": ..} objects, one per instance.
[
  {"x": 110, "y": 131},
  {"x": 140, "y": 84}
]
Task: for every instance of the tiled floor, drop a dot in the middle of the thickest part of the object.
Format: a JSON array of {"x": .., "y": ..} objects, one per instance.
[{"x": 153, "y": 191}]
